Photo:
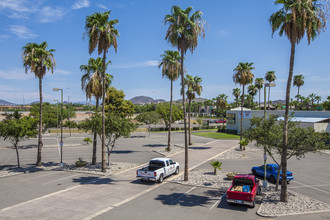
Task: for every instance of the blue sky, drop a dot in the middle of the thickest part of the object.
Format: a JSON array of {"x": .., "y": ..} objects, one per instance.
[{"x": 238, "y": 31}]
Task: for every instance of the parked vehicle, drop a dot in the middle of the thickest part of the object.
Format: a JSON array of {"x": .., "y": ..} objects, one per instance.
[
  {"x": 243, "y": 190},
  {"x": 220, "y": 121},
  {"x": 158, "y": 169},
  {"x": 271, "y": 172}
]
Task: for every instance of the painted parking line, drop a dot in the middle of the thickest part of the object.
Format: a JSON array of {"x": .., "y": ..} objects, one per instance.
[
  {"x": 62, "y": 179},
  {"x": 312, "y": 187},
  {"x": 313, "y": 178},
  {"x": 217, "y": 202},
  {"x": 48, "y": 174},
  {"x": 296, "y": 187},
  {"x": 184, "y": 194}
]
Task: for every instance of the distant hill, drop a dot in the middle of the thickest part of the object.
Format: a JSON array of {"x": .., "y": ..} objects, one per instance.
[
  {"x": 3, "y": 102},
  {"x": 144, "y": 100},
  {"x": 194, "y": 100}
]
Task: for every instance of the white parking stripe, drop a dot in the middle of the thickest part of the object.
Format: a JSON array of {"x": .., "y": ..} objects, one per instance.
[
  {"x": 296, "y": 187},
  {"x": 183, "y": 195},
  {"x": 313, "y": 178},
  {"x": 217, "y": 202},
  {"x": 62, "y": 179},
  {"x": 311, "y": 187}
]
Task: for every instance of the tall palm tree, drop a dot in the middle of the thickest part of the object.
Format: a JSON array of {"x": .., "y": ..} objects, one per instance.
[
  {"x": 91, "y": 83},
  {"x": 236, "y": 93},
  {"x": 102, "y": 34},
  {"x": 252, "y": 90},
  {"x": 170, "y": 69},
  {"x": 298, "y": 80},
  {"x": 183, "y": 32},
  {"x": 38, "y": 60},
  {"x": 259, "y": 83},
  {"x": 193, "y": 87},
  {"x": 270, "y": 77},
  {"x": 295, "y": 19},
  {"x": 318, "y": 99},
  {"x": 222, "y": 104},
  {"x": 243, "y": 76}
]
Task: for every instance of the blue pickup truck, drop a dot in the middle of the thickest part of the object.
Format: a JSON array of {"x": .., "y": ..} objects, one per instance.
[{"x": 271, "y": 172}]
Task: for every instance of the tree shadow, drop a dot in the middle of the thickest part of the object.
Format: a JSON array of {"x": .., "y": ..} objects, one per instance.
[
  {"x": 144, "y": 182},
  {"x": 122, "y": 151},
  {"x": 155, "y": 145},
  {"x": 93, "y": 180},
  {"x": 23, "y": 147},
  {"x": 199, "y": 148},
  {"x": 184, "y": 200},
  {"x": 234, "y": 207},
  {"x": 138, "y": 136},
  {"x": 25, "y": 169}
]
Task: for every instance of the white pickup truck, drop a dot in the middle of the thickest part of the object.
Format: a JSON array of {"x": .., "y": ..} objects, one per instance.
[{"x": 158, "y": 169}]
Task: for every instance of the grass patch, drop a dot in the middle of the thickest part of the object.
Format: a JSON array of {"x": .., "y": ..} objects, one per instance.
[
  {"x": 66, "y": 131},
  {"x": 217, "y": 135}
]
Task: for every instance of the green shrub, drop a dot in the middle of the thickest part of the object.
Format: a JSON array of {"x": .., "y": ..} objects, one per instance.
[
  {"x": 216, "y": 165},
  {"x": 173, "y": 129},
  {"x": 195, "y": 128},
  {"x": 162, "y": 129},
  {"x": 87, "y": 140},
  {"x": 166, "y": 129},
  {"x": 177, "y": 128},
  {"x": 80, "y": 162}
]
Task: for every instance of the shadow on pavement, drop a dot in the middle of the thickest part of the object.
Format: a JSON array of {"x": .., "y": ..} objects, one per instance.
[
  {"x": 199, "y": 148},
  {"x": 234, "y": 207},
  {"x": 123, "y": 151},
  {"x": 144, "y": 182},
  {"x": 184, "y": 200},
  {"x": 25, "y": 169},
  {"x": 93, "y": 180},
  {"x": 155, "y": 145}
]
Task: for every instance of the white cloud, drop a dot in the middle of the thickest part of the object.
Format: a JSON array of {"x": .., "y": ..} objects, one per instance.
[
  {"x": 147, "y": 63},
  {"x": 3, "y": 36},
  {"x": 61, "y": 72},
  {"x": 22, "y": 31},
  {"x": 48, "y": 14},
  {"x": 102, "y": 6},
  {"x": 15, "y": 74},
  {"x": 81, "y": 4},
  {"x": 15, "y": 5}
]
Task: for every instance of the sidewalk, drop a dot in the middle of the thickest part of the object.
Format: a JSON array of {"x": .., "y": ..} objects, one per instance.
[{"x": 92, "y": 198}]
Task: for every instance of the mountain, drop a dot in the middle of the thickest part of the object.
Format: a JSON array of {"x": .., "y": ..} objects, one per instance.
[
  {"x": 3, "y": 102},
  {"x": 194, "y": 100},
  {"x": 144, "y": 100}
]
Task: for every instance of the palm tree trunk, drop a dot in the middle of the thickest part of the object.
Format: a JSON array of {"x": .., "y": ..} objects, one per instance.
[
  {"x": 241, "y": 133},
  {"x": 268, "y": 96},
  {"x": 189, "y": 111},
  {"x": 170, "y": 122},
  {"x": 284, "y": 187},
  {"x": 95, "y": 137},
  {"x": 17, "y": 155},
  {"x": 40, "y": 125},
  {"x": 103, "y": 116},
  {"x": 184, "y": 121},
  {"x": 223, "y": 119},
  {"x": 259, "y": 100},
  {"x": 298, "y": 96}
]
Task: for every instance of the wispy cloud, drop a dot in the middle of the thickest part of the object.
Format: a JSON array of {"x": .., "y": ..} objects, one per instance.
[
  {"x": 61, "y": 72},
  {"x": 3, "y": 37},
  {"x": 15, "y": 74},
  {"x": 81, "y": 4},
  {"x": 102, "y": 6},
  {"x": 147, "y": 63},
  {"x": 49, "y": 14},
  {"x": 222, "y": 33},
  {"x": 18, "y": 8},
  {"x": 22, "y": 31}
]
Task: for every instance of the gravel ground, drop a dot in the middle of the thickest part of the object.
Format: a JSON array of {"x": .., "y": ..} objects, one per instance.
[
  {"x": 174, "y": 149},
  {"x": 297, "y": 204},
  {"x": 115, "y": 168},
  {"x": 236, "y": 153},
  {"x": 205, "y": 178}
]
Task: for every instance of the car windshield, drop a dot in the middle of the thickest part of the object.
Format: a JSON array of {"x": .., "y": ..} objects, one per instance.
[{"x": 275, "y": 168}]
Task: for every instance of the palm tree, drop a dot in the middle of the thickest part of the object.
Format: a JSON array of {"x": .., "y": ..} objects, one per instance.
[
  {"x": 193, "y": 87},
  {"x": 38, "y": 60},
  {"x": 102, "y": 34},
  {"x": 295, "y": 19},
  {"x": 318, "y": 99},
  {"x": 298, "y": 80},
  {"x": 243, "y": 76},
  {"x": 259, "y": 83},
  {"x": 252, "y": 90},
  {"x": 312, "y": 97},
  {"x": 222, "y": 104},
  {"x": 236, "y": 93},
  {"x": 91, "y": 83},
  {"x": 183, "y": 33},
  {"x": 270, "y": 77},
  {"x": 171, "y": 70}
]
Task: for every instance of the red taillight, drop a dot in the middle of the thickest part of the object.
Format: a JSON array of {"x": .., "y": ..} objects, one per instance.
[
  {"x": 136, "y": 172},
  {"x": 155, "y": 174}
]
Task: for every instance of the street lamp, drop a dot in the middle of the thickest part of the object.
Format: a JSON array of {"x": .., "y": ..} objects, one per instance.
[
  {"x": 55, "y": 100},
  {"x": 265, "y": 155},
  {"x": 61, "y": 143}
]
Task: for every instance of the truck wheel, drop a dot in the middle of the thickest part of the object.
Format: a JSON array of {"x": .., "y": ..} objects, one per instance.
[
  {"x": 161, "y": 178},
  {"x": 254, "y": 172},
  {"x": 177, "y": 171},
  {"x": 253, "y": 204},
  {"x": 259, "y": 190},
  {"x": 272, "y": 179}
]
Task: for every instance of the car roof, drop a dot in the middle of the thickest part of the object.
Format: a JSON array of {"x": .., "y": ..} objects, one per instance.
[{"x": 161, "y": 158}]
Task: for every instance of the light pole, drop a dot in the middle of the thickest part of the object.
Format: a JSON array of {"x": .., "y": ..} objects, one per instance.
[
  {"x": 55, "y": 100},
  {"x": 61, "y": 143},
  {"x": 265, "y": 155}
]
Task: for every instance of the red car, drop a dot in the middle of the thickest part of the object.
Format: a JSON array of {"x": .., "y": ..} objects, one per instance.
[
  {"x": 243, "y": 190},
  {"x": 220, "y": 121}
]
